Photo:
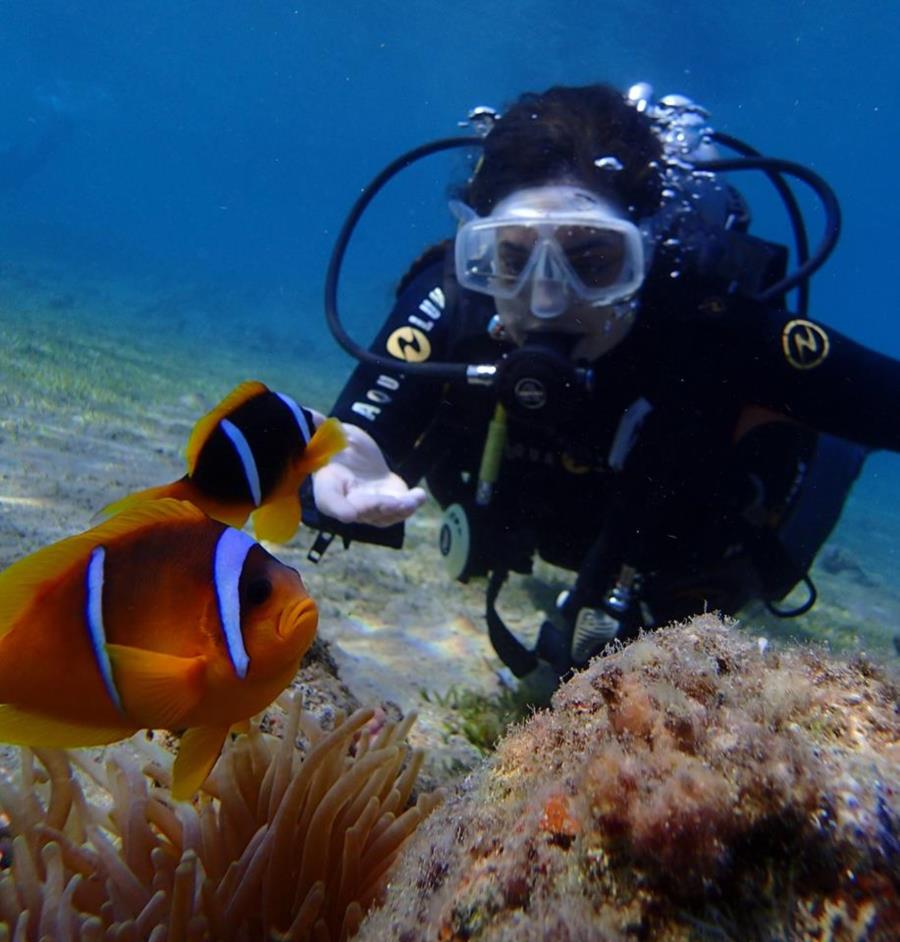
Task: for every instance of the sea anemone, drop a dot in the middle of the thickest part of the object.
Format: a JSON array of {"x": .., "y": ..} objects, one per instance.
[{"x": 280, "y": 844}]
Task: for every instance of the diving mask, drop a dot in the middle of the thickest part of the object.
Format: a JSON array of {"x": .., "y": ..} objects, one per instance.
[{"x": 564, "y": 242}]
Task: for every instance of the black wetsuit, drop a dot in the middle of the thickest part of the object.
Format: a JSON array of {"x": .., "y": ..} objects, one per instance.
[{"x": 687, "y": 461}]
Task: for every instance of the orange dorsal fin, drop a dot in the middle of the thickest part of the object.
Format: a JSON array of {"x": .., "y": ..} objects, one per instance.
[
  {"x": 21, "y": 581},
  {"x": 182, "y": 489},
  {"x": 205, "y": 427},
  {"x": 328, "y": 439}
]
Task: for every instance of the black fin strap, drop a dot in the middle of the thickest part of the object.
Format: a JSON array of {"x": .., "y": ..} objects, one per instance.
[{"x": 509, "y": 649}]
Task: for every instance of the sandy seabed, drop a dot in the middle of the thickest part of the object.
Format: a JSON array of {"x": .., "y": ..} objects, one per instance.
[
  {"x": 97, "y": 400},
  {"x": 99, "y": 389}
]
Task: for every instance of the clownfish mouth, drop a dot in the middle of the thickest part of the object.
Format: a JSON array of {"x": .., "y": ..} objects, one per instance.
[{"x": 298, "y": 615}]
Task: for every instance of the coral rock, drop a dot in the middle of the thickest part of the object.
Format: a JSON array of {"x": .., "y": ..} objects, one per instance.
[{"x": 694, "y": 784}]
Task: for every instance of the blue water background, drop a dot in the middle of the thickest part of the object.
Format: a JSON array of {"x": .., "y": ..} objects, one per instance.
[{"x": 208, "y": 151}]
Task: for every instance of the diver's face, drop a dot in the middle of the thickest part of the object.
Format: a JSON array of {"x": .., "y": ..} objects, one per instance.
[
  {"x": 553, "y": 255},
  {"x": 557, "y": 263}
]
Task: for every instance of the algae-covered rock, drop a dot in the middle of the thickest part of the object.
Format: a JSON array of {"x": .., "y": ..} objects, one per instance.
[{"x": 692, "y": 785}]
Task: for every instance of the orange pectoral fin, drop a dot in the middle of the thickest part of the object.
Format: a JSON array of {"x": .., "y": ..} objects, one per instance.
[
  {"x": 328, "y": 439},
  {"x": 278, "y": 519},
  {"x": 200, "y": 747},
  {"x": 158, "y": 690},
  {"x": 27, "y": 728}
]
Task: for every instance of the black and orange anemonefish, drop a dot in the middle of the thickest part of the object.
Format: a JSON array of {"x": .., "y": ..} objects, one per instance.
[
  {"x": 247, "y": 456},
  {"x": 159, "y": 618}
]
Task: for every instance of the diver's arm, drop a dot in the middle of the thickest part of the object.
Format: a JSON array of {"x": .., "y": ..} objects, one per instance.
[
  {"x": 393, "y": 407},
  {"x": 819, "y": 377},
  {"x": 385, "y": 412}
]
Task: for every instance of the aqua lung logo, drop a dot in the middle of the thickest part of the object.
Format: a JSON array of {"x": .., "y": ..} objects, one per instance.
[
  {"x": 408, "y": 343},
  {"x": 376, "y": 397},
  {"x": 530, "y": 393},
  {"x": 804, "y": 343}
]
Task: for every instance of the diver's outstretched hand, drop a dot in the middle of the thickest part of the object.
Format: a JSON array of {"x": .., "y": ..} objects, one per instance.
[{"x": 357, "y": 486}]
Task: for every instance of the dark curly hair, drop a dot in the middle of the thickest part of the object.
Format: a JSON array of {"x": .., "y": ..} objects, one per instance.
[{"x": 561, "y": 134}]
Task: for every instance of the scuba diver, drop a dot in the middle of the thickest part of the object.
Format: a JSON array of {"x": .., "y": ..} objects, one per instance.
[{"x": 601, "y": 368}]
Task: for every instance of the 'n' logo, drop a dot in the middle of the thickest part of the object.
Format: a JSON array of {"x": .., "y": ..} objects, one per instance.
[{"x": 805, "y": 344}]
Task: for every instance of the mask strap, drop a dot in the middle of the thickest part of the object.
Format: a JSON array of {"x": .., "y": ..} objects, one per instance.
[{"x": 462, "y": 212}]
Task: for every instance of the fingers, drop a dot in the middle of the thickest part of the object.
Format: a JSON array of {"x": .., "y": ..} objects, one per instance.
[
  {"x": 339, "y": 494},
  {"x": 357, "y": 486},
  {"x": 418, "y": 494},
  {"x": 382, "y": 510}
]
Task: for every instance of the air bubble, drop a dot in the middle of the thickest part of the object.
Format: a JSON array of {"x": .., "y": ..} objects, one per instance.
[{"x": 608, "y": 163}]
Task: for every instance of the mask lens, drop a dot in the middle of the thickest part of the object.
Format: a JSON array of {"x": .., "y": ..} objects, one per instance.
[
  {"x": 595, "y": 255},
  {"x": 514, "y": 247},
  {"x": 547, "y": 235},
  {"x": 476, "y": 255}
]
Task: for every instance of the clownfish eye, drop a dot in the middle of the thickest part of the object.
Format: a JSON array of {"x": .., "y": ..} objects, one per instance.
[{"x": 258, "y": 591}]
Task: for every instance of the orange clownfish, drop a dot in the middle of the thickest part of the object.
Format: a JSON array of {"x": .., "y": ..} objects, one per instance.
[
  {"x": 249, "y": 456},
  {"x": 159, "y": 618}
]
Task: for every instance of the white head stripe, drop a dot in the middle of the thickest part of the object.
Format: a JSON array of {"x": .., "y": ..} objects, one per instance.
[
  {"x": 302, "y": 424},
  {"x": 96, "y": 631},
  {"x": 231, "y": 552},
  {"x": 242, "y": 447}
]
